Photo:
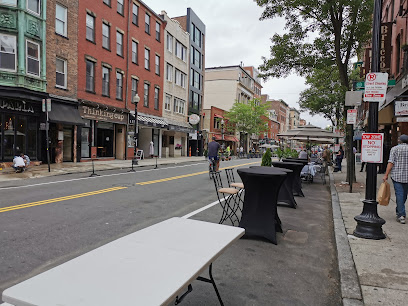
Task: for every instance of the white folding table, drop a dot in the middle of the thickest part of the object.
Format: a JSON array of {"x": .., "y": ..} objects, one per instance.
[{"x": 149, "y": 267}]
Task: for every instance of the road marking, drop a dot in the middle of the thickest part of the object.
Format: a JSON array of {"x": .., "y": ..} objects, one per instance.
[
  {"x": 95, "y": 177},
  {"x": 188, "y": 175},
  {"x": 75, "y": 196}
]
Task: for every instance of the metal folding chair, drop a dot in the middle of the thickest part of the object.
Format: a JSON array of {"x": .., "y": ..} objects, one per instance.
[
  {"x": 322, "y": 173},
  {"x": 232, "y": 184},
  {"x": 227, "y": 198}
]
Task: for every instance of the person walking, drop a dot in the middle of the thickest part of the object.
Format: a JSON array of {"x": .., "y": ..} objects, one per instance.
[
  {"x": 339, "y": 158},
  {"x": 398, "y": 168},
  {"x": 241, "y": 152},
  {"x": 326, "y": 156},
  {"x": 213, "y": 148}
]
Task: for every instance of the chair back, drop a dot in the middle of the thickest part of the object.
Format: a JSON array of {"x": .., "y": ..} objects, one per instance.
[
  {"x": 230, "y": 176},
  {"x": 216, "y": 176}
]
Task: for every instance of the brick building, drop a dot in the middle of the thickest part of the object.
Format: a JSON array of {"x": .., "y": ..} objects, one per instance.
[
  {"x": 120, "y": 54},
  {"x": 62, "y": 68},
  {"x": 281, "y": 109}
]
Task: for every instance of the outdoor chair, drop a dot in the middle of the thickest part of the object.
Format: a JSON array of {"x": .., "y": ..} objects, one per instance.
[
  {"x": 232, "y": 184},
  {"x": 322, "y": 174},
  {"x": 227, "y": 198}
]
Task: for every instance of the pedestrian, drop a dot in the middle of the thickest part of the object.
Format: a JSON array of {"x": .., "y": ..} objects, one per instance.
[
  {"x": 339, "y": 159},
  {"x": 326, "y": 156},
  {"x": 398, "y": 168},
  {"x": 303, "y": 154},
  {"x": 241, "y": 151},
  {"x": 213, "y": 148},
  {"x": 18, "y": 163}
]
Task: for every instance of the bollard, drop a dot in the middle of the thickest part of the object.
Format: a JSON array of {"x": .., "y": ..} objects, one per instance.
[{"x": 156, "y": 162}]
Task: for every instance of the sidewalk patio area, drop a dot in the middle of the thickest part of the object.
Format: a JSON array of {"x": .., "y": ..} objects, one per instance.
[{"x": 381, "y": 265}]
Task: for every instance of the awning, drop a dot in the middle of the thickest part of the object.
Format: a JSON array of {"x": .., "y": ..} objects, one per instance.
[
  {"x": 179, "y": 126},
  {"x": 226, "y": 138},
  {"x": 218, "y": 116},
  {"x": 148, "y": 120},
  {"x": 65, "y": 114}
]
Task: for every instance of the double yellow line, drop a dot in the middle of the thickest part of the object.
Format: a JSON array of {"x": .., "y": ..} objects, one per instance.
[
  {"x": 86, "y": 194},
  {"x": 75, "y": 196}
]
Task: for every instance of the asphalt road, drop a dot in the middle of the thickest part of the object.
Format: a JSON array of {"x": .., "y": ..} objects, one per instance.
[{"x": 47, "y": 221}]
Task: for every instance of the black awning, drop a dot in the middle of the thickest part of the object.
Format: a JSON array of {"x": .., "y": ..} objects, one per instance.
[{"x": 65, "y": 114}]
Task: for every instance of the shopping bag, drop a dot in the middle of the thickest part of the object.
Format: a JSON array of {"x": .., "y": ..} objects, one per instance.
[{"x": 384, "y": 194}]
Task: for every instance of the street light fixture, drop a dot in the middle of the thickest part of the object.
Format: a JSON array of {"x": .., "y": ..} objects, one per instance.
[{"x": 135, "y": 100}]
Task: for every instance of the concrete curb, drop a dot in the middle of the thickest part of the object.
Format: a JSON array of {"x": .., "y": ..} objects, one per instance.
[{"x": 350, "y": 285}]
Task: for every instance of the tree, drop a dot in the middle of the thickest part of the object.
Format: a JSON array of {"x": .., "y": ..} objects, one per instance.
[
  {"x": 321, "y": 33},
  {"x": 325, "y": 96},
  {"x": 247, "y": 118}
]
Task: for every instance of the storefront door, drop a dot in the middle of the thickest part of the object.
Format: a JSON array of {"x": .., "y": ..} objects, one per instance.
[
  {"x": 67, "y": 145},
  {"x": 156, "y": 133},
  {"x": 105, "y": 139},
  {"x": 85, "y": 142}
]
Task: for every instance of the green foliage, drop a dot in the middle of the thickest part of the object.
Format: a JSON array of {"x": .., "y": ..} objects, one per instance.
[
  {"x": 288, "y": 152},
  {"x": 319, "y": 34},
  {"x": 279, "y": 153},
  {"x": 267, "y": 158},
  {"x": 205, "y": 153},
  {"x": 247, "y": 118}
]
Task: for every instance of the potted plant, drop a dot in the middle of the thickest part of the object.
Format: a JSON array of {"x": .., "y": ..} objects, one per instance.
[{"x": 267, "y": 158}]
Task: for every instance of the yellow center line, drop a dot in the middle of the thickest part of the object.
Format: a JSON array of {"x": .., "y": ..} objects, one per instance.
[{"x": 87, "y": 194}]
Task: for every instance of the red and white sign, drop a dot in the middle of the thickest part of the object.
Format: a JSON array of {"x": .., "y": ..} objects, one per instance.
[
  {"x": 372, "y": 147},
  {"x": 351, "y": 116},
  {"x": 375, "y": 87}
]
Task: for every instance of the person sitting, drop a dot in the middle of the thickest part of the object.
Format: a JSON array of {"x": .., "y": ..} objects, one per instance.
[
  {"x": 19, "y": 164},
  {"x": 26, "y": 159},
  {"x": 303, "y": 154}
]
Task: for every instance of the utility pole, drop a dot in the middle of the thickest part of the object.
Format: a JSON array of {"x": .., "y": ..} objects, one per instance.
[{"x": 369, "y": 224}]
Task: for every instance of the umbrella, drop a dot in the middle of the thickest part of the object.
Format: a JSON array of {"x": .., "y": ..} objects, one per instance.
[
  {"x": 309, "y": 131},
  {"x": 314, "y": 140},
  {"x": 269, "y": 146}
]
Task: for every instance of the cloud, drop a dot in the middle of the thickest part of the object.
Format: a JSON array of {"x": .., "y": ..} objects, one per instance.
[{"x": 234, "y": 34}]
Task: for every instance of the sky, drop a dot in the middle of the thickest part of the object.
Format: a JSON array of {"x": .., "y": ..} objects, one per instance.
[{"x": 234, "y": 34}]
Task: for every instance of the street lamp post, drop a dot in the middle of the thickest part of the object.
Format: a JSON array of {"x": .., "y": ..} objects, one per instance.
[
  {"x": 135, "y": 100},
  {"x": 222, "y": 137}
]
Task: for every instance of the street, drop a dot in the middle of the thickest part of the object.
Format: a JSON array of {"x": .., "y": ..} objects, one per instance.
[{"x": 47, "y": 221}]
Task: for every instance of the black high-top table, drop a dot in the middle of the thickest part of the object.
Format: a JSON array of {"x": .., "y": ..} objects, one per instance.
[
  {"x": 259, "y": 214},
  {"x": 285, "y": 195},
  {"x": 296, "y": 168},
  {"x": 296, "y": 160}
]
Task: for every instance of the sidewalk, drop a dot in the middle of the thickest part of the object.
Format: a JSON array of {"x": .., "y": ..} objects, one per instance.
[
  {"x": 381, "y": 265},
  {"x": 8, "y": 174}
]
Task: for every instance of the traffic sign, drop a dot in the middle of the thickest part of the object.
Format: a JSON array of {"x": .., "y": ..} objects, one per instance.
[
  {"x": 361, "y": 84},
  {"x": 351, "y": 116},
  {"x": 372, "y": 147},
  {"x": 375, "y": 87}
]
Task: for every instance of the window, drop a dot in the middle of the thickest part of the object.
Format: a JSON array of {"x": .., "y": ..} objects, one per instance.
[
  {"x": 8, "y": 46},
  {"x": 107, "y": 2},
  {"x": 167, "y": 103},
  {"x": 119, "y": 85},
  {"x": 33, "y": 58},
  {"x": 61, "y": 20},
  {"x": 195, "y": 79},
  {"x": 61, "y": 73},
  {"x": 179, "y": 106},
  {"x": 180, "y": 78},
  {"x": 105, "y": 81},
  {"x": 9, "y": 2},
  {"x": 90, "y": 28},
  {"x": 157, "y": 64},
  {"x": 90, "y": 73},
  {"x": 119, "y": 43},
  {"x": 120, "y": 7},
  {"x": 134, "y": 88},
  {"x": 197, "y": 58},
  {"x": 106, "y": 36},
  {"x": 169, "y": 72},
  {"x": 156, "y": 97},
  {"x": 135, "y": 14},
  {"x": 146, "y": 95},
  {"x": 134, "y": 51},
  {"x": 195, "y": 100},
  {"x": 216, "y": 123},
  {"x": 33, "y": 6},
  {"x": 181, "y": 51},
  {"x": 157, "y": 31},
  {"x": 147, "y": 24},
  {"x": 147, "y": 59},
  {"x": 196, "y": 35},
  {"x": 169, "y": 43}
]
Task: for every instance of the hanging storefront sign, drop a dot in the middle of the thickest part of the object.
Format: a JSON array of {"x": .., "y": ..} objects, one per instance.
[
  {"x": 193, "y": 119},
  {"x": 372, "y": 147},
  {"x": 94, "y": 113},
  {"x": 401, "y": 108}
]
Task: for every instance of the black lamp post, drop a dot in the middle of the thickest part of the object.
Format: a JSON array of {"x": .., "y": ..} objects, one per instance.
[
  {"x": 369, "y": 224},
  {"x": 222, "y": 137},
  {"x": 135, "y": 100}
]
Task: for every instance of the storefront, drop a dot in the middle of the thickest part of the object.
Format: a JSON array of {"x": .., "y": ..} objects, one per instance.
[
  {"x": 174, "y": 139},
  {"x": 103, "y": 133}
]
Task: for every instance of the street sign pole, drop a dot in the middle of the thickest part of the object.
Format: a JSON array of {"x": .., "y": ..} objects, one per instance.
[{"x": 369, "y": 224}]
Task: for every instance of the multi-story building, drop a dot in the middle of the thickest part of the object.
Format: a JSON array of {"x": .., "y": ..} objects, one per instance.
[
  {"x": 175, "y": 88},
  {"x": 281, "y": 109},
  {"x": 253, "y": 72},
  {"x": 294, "y": 118},
  {"x": 302, "y": 122},
  {"x": 192, "y": 24},
  {"x": 22, "y": 78},
  {"x": 120, "y": 55},
  {"x": 225, "y": 86},
  {"x": 62, "y": 69}
]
